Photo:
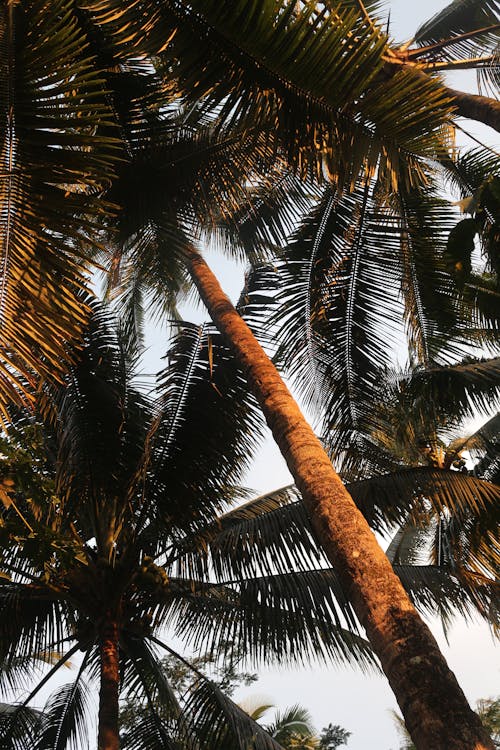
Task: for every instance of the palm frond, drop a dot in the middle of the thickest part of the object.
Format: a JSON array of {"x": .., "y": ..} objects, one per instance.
[
  {"x": 413, "y": 412},
  {"x": 257, "y": 65},
  {"x": 32, "y": 619},
  {"x": 102, "y": 421},
  {"x": 150, "y": 733},
  {"x": 458, "y": 390},
  {"x": 23, "y": 733},
  {"x": 471, "y": 546},
  {"x": 10, "y": 725},
  {"x": 158, "y": 726},
  {"x": 464, "y": 29},
  {"x": 407, "y": 544},
  {"x": 269, "y": 214},
  {"x": 16, "y": 675},
  {"x": 432, "y": 314},
  {"x": 291, "y": 721},
  {"x": 342, "y": 278},
  {"x": 442, "y": 591},
  {"x": 192, "y": 181},
  {"x": 64, "y": 721},
  {"x": 286, "y": 617},
  {"x": 394, "y": 493},
  {"x": 485, "y": 443},
  {"x": 212, "y": 718},
  {"x": 217, "y": 722},
  {"x": 337, "y": 265},
  {"x": 148, "y": 672},
  {"x": 56, "y": 160},
  {"x": 273, "y": 533},
  {"x": 268, "y": 534},
  {"x": 201, "y": 385},
  {"x": 149, "y": 272},
  {"x": 470, "y": 169}
]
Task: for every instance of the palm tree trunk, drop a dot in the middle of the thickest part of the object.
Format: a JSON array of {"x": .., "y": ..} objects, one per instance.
[
  {"x": 435, "y": 709},
  {"x": 480, "y": 108},
  {"x": 108, "y": 734}
]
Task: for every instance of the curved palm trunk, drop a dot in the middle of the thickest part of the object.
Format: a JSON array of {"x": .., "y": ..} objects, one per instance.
[
  {"x": 480, "y": 108},
  {"x": 435, "y": 709},
  {"x": 108, "y": 734}
]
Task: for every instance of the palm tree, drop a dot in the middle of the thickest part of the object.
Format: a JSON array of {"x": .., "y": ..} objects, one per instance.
[
  {"x": 81, "y": 154},
  {"x": 57, "y": 156},
  {"x": 283, "y": 422},
  {"x": 341, "y": 125},
  {"x": 454, "y": 528},
  {"x": 293, "y": 729},
  {"x": 107, "y": 502},
  {"x": 332, "y": 737}
]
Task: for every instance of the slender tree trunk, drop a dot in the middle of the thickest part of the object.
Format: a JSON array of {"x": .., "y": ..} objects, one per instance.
[
  {"x": 108, "y": 733},
  {"x": 480, "y": 108},
  {"x": 435, "y": 709}
]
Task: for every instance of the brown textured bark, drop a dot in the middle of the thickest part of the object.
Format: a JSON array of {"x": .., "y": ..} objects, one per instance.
[
  {"x": 480, "y": 108},
  {"x": 108, "y": 737},
  {"x": 435, "y": 709}
]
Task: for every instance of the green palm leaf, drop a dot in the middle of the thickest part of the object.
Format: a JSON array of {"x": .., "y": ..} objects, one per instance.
[
  {"x": 293, "y": 723},
  {"x": 202, "y": 384},
  {"x": 450, "y": 490},
  {"x": 100, "y": 420},
  {"x": 455, "y": 391},
  {"x": 193, "y": 180},
  {"x": 32, "y": 619},
  {"x": 21, "y": 717},
  {"x": 259, "y": 64},
  {"x": 277, "y": 526},
  {"x": 443, "y": 592},
  {"x": 221, "y": 724},
  {"x": 479, "y": 18},
  {"x": 330, "y": 271},
  {"x": 470, "y": 169},
  {"x": 56, "y": 160},
  {"x": 268, "y": 534},
  {"x": 64, "y": 722},
  {"x": 280, "y": 617},
  {"x": 341, "y": 282},
  {"x": 407, "y": 544},
  {"x": 27, "y": 722},
  {"x": 149, "y": 733},
  {"x": 158, "y": 727},
  {"x": 485, "y": 442}
]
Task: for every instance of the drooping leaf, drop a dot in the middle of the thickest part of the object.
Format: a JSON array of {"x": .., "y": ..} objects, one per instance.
[{"x": 56, "y": 159}]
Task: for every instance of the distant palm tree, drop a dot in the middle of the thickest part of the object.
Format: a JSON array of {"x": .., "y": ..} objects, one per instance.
[{"x": 293, "y": 729}]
